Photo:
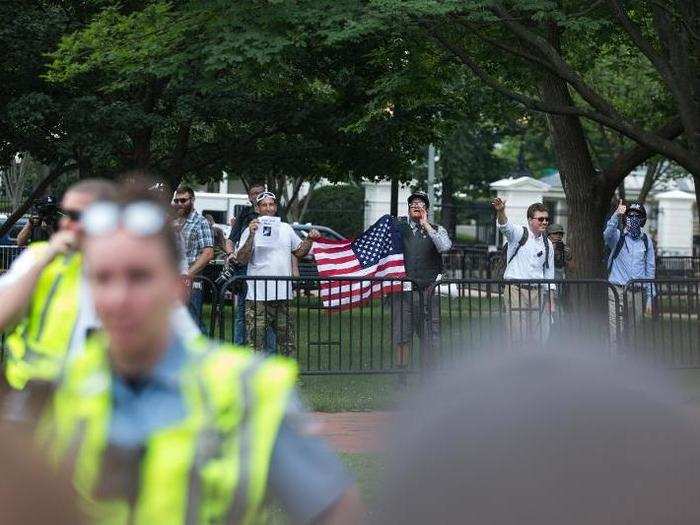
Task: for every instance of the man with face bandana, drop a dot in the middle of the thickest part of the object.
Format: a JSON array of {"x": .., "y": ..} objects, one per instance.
[{"x": 631, "y": 257}]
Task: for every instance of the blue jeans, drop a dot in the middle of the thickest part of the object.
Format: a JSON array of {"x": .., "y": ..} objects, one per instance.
[
  {"x": 195, "y": 307},
  {"x": 239, "y": 335}
]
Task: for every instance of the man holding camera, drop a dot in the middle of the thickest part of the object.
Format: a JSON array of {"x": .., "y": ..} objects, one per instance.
[
  {"x": 42, "y": 224},
  {"x": 562, "y": 252}
]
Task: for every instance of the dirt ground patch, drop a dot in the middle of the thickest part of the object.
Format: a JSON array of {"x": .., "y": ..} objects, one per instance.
[{"x": 355, "y": 432}]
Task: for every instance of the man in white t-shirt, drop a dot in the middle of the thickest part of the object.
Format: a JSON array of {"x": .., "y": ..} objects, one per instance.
[{"x": 265, "y": 246}]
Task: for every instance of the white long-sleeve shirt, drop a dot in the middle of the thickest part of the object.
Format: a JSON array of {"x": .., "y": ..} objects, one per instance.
[{"x": 529, "y": 264}]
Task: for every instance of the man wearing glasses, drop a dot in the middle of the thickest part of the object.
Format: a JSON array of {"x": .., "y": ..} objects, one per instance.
[
  {"x": 530, "y": 257},
  {"x": 424, "y": 244},
  {"x": 44, "y": 301},
  {"x": 198, "y": 244}
]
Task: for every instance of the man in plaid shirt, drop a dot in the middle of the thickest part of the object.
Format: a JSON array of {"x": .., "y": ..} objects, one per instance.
[{"x": 198, "y": 244}]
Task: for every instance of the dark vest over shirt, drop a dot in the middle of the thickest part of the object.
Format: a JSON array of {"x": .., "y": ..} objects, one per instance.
[{"x": 422, "y": 260}]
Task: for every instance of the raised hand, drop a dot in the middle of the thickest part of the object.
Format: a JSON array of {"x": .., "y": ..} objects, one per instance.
[
  {"x": 498, "y": 204},
  {"x": 621, "y": 207}
]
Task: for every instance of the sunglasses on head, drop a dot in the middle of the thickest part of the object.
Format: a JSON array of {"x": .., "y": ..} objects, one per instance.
[
  {"x": 265, "y": 195},
  {"x": 140, "y": 218},
  {"x": 542, "y": 219},
  {"x": 183, "y": 200},
  {"x": 73, "y": 215}
]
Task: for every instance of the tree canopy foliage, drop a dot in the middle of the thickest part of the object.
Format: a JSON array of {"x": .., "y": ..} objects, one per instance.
[{"x": 346, "y": 89}]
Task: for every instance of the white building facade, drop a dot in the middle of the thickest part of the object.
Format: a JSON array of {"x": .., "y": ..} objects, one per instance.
[{"x": 671, "y": 207}]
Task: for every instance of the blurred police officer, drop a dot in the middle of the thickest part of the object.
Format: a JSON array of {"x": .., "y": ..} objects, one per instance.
[
  {"x": 160, "y": 429},
  {"x": 47, "y": 305}
]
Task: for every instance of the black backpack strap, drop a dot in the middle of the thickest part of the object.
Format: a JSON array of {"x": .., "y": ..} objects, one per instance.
[
  {"x": 617, "y": 250},
  {"x": 521, "y": 243},
  {"x": 545, "y": 265}
]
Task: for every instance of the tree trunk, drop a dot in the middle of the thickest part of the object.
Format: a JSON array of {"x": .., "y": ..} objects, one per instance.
[
  {"x": 394, "y": 203},
  {"x": 586, "y": 198},
  {"x": 449, "y": 215}
]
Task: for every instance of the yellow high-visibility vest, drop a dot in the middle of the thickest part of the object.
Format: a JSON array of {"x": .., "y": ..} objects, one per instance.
[
  {"x": 210, "y": 468},
  {"x": 38, "y": 346}
]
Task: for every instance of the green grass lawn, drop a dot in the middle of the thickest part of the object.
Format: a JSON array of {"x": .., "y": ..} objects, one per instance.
[{"x": 360, "y": 340}]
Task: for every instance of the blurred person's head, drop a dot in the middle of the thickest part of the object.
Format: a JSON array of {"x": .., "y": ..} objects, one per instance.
[
  {"x": 547, "y": 440},
  {"x": 132, "y": 257},
  {"x": 210, "y": 219},
  {"x": 30, "y": 492},
  {"x": 78, "y": 197},
  {"x": 254, "y": 190},
  {"x": 183, "y": 201},
  {"x": 266, "y": 204},
  {"x": 538, "y": 217}
]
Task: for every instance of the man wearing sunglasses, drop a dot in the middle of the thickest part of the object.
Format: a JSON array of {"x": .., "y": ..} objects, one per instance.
[
  {"x": 43, "y": 300},
  {"x": 424, "y": 244},
  {"x": 530, "y": 257},
  {"x": 47, "y": 308},
  {"x": 198, "y": 243}
]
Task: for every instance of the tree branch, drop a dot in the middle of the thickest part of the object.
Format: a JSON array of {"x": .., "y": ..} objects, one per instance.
[
  {"x": 658, "y": 61},
  {"x": 624, "y": 163},
  {"x": 564, "y": 70},
  {"x": 508, "y": 49},
  {"x": 616, "y": 122}
]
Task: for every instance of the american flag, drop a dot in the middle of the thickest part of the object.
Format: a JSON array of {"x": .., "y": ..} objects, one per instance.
[{"x": 378, "y": 252}]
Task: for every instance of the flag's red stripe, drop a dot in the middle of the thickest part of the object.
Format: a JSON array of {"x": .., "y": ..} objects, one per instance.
[
  {"x": 354, "y": 287},
  {"x": 325, "y": 240},
  {"x": 353, "y": 272},
  {"x": 339, "y": 306},
  {"x": 355, "y": 293},
  {"x": 339, "y": 260},
  {"x": 344, "y": 245}
]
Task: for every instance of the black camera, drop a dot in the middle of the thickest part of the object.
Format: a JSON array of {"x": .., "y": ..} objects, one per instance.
[{"x": 46, "y": 211}]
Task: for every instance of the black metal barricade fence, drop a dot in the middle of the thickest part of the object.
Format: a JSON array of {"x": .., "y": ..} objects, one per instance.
[
  {"x": 343, "y": 326},
  {"x": 677, "y": 267},
  {"x": 467, "y": 262},
  {"x": 7, "y": 256},
  {"x": 480, "y": 317},
  {"x": 430, "y": 327},
  {"x": 661, "y": 322}
]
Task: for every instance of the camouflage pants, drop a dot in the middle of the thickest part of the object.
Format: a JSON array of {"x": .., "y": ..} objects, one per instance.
[{"x": 261, "y": 315}]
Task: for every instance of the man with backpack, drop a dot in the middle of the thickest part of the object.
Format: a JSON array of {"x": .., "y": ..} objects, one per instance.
[
  {"x": 631, "y": 257},
  {"x": 527, "y": 256}
]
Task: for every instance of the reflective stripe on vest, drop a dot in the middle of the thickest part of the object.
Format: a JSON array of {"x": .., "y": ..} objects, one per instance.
[
  {"x": 211, "y": 467},
  {"x": 39, "y": 344}
]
